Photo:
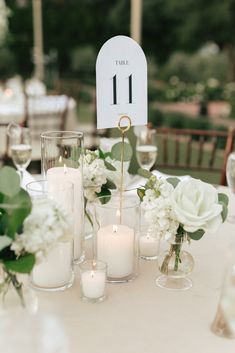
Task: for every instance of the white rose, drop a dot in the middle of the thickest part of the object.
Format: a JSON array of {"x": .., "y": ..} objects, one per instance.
[{"x": 196, "y": 206}]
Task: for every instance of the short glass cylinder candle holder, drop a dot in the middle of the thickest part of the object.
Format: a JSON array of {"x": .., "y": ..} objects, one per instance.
[
  {"x": 116, "y": 227},
  {"x": 93, "y": 275},
  {"x": 62, "y": 160},
  {"x": 148, "y": 243},
  {"x": 55, "y": 271}
]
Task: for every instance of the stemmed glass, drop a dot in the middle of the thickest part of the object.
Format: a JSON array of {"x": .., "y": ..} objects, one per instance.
[
  {"x": 230, "y": 175},
  {"x": 20, "y": 147},
  {"x": 146, "y": 148}
]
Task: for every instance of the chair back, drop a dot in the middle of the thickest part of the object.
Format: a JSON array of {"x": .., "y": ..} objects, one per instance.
[
  {"x": 44, "y": 113},
  {"x": 195, "y": 150},
  {"x": 4, "y": 142}
]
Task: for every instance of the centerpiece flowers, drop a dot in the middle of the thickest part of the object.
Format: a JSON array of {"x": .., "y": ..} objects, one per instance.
[
  {"x": 28, "y": 231},
  {"x": 102, "y": 174},
  {"x": 180, "y": 211}
]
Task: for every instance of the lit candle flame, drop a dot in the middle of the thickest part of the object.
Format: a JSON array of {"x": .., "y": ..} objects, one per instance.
[
  {"x": 60, "y": 159},
  {"x": 115, "y": 228},
  {"x": 65, "y": 169}
]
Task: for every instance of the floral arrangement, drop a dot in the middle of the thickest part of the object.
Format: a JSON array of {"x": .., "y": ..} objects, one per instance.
[
  {"x": 178, "y": 209},
  {"x": 27, "y": 231},
  {"x": 101, "y": 171}
]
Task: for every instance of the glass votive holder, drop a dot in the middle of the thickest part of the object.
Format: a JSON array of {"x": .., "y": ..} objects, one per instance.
[
  {"x": 148, "y": 243},
  {"x": 93, "y": 275}
]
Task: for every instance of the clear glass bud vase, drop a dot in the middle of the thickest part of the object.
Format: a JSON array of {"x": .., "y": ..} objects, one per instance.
[{"x": 175, "y": 264}]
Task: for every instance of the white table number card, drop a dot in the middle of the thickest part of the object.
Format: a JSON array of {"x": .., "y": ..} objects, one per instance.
[{"x": 121, "y": 83}]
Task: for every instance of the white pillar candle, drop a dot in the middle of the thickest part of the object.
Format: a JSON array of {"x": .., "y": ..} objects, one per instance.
[
  {"x": 57, "y": 177},
  {"x": 56, "y": 268},
  {"x": 93, "y": 284},
  {"x": 148, "y": 246},
  {"x": 115, "y": 246}
]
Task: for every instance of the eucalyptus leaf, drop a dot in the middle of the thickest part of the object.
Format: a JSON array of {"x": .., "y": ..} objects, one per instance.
[
  {"x": 196, "y": 235},
  {"x": 101, "y": 154},
  {"x": 116, "y": 152},
  {"x": 223, "y": 198},
  {"x": 23, "y": 264},
  {"x": 9, "y": 181},
  {"x": 110, "y": 184},
  {"x": 224, "y": 212},
  {"x": 144, "y": 173},
  {"x": 17, "y": 209},
  {"x": 173, "y": 181},
  {"x": 104, "y": 194},
  {"x": 141, "y": 193},
  {"x": 109, "y": 166},
  {"x": 5, "y": 241}
]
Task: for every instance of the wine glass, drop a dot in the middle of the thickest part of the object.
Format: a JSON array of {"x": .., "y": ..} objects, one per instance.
[
  {"x": 20, "y": 147},
  {"x": 230, "y": 175},
  {"x": 146, "y": 148}
]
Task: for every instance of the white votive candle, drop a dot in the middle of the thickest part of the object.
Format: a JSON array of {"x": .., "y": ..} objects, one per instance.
[
  {"x": 115, "y": 246},
  {"x": 93, "y": 284},
  {"x": 58, "y": 176},
  {"x": 148, "y": 246},
  {"x": 56, "y": 269}
]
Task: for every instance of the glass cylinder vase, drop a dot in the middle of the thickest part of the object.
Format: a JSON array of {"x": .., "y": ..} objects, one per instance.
[
  {"x": 175, "y": 264},
  {"x": 116, "y": 227},
  {"x": 55, "y": 271},
  {"x": 62, "y": 160}
]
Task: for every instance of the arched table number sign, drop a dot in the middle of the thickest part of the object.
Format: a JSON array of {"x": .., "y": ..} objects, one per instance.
[{"x": 121, "y": 94}]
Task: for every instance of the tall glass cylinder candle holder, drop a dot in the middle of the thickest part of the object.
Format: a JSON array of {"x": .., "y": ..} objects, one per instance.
[
  {"x": 62, "y": 159},
  {"x": 116, "y": 230},
  {"x": 55, "y": 271}
]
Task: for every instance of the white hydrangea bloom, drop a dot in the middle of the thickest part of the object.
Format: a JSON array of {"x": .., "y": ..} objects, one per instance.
[
  {"x": 47, "y": 224},
  {"x": 94, "y": 174},
  {"x": 158, "y": 210}
]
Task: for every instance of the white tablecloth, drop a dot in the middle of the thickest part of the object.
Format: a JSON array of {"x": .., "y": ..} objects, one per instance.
[{"x": 139, "y": 317}]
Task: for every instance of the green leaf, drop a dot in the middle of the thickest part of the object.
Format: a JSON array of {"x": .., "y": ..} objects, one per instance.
[
  {"x": 104, "y": 195},
  {"x": 141, "y": 193},
  {"x": 101, "y": 154},
  {"x": 196, "y": 235},
  {"x": 224, "y": 212},
  {"x": 109, "y": 166},
  {"x": 223, "y": 198},
  {"x": 9, "y": 181},
  {"x": 117, "y": 151},
  {"x": 173, "y": 181},
  {"x": 19, "y": 208},
  {"x": 110, "y": 184},
  {"x": 23, "y": 264},
  {"x": 5, "y": 241},
  {"x": 144, "y": 173}
]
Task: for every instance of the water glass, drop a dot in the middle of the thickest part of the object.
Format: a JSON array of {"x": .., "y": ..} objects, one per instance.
[
  {"x": 146, "y": 148},
  {"x": 230, "y": 175}
]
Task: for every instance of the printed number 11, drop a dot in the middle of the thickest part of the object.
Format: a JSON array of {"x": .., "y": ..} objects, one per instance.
[{"x": 115, "y": 89}]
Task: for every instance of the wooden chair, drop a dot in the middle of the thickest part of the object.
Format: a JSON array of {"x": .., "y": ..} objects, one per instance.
[
  {"x": 195, "y": 150},
  {"x": 4, "y": 144},
  {"x": 44, "y": 113}
]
